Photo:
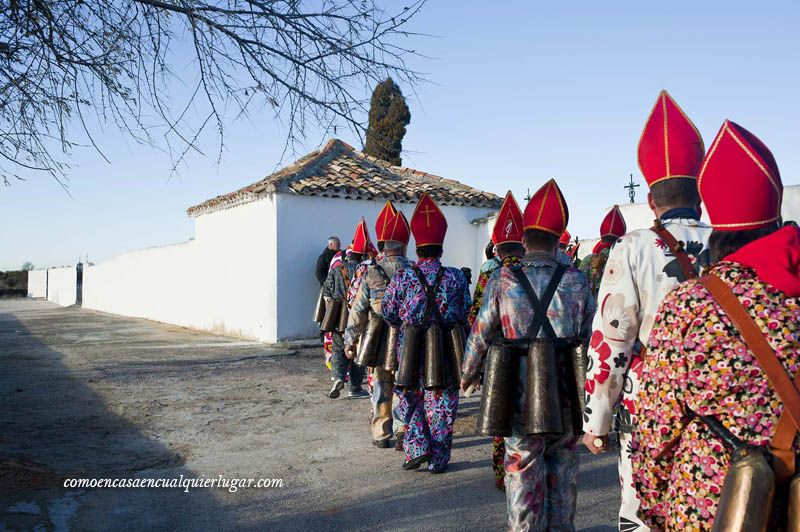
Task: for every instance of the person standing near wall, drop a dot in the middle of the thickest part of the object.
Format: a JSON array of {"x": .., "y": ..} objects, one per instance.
[
  {"x": 325, "y": 258},
  {"x": 323, "y": 268},
  {"x": 393, "y": 235},
  {"x": 417, "y": 298},
  {"x": 336, "y": 287}
]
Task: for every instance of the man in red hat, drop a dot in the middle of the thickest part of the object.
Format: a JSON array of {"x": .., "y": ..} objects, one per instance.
[
  {"x": 724, "y": 350},
  {"x": 642, "y": 267},
  {"x": 537, "y": 299},
  {"x": 422, "y": 299},
  {"x": 336, "y": 287},
  {"x": 393, "y": 233},
  {"x": 611, "y": 229},
  {"x": 507, "y": 239}
]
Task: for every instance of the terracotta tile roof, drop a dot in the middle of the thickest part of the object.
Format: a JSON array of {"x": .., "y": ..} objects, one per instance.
[{"x": 340, "y": 171}]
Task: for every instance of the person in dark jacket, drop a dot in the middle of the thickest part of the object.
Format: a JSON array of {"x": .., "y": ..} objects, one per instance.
[{"x": 324, "y": 260}]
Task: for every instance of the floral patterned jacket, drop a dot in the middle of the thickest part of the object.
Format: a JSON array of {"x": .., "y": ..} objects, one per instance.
[
  {"x": 593, "y": 266},
  {"x": 404, "y": 301},
  {"x": 639, "y": 273},
  {"x": 697, "y": 359},
  {"x": 506, "y": 307},
  {"x": 370, "y": 292}
]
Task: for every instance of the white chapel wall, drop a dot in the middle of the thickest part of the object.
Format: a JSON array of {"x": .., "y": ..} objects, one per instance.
[
  {"x": 37, "y": 283},
  {"x": 218, "y": 282},
  {"x": 304, "y": 224},
  {"x": 62, "y": 286}
]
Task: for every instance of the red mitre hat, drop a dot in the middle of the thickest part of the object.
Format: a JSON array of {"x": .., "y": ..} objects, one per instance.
[
  {"x": 547, "y": 211},
  {"x": 740, "y": 183},
  {"x": 397, "y": 229},
  {"x": 670, "y": 145},
  {"x": 613, "y": 224},
  {"x": 361, "y": 240},
  {"x": 508, "y": 226},
  {"x": 565, "y": 239},
  {"x": 428, "y": 223},
  {"x": 386, "y": 214}
]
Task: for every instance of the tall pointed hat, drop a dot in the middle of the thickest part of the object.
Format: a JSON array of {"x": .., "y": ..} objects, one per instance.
[
  {"x": 508, "y": 225},
  {"x": 361, "y": 241},
  {"x": 428, "y": 224},
  {"x": 740, "y": 183},
  {"x": 547, "y": 211},
  {"x": 670, "y": 146},
  {"x": 613, "y": 224},
  {"x": 381, "y": 224}
]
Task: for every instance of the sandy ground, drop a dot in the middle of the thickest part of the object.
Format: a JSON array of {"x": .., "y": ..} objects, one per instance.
[{"x": 87, "y": 394}]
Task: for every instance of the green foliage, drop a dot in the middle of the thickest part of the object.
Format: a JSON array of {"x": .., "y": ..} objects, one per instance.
[{"x": 388, "y": 118}]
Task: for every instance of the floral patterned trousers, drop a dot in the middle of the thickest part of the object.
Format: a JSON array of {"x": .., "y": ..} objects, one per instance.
[
  {"x": 541, "y": 481},
  {"x": 428, "y": 417}
]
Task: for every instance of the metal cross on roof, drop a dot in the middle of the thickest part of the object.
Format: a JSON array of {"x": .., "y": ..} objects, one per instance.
[{"x": 631, "y": 189}]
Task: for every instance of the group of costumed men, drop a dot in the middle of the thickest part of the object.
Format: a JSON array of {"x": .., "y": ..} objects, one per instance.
[{"x": 683, "y": 338}]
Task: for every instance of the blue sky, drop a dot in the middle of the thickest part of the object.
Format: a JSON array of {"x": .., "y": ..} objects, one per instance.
[{"x": 519, "y": 92}]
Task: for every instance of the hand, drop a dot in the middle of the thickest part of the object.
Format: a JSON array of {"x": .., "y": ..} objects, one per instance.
[
  {"x": 466, "y": 383},
  {"x": 350, "y": 351},
  {"x": 591, "y": 442}
]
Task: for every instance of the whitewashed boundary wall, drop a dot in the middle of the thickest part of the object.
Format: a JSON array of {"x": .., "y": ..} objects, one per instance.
[
  {"x": 218, "y": 282},
  {"x": 303, "y": 226},
  {"x": 37, "y": 283},
  {"x": 62, "y": 284}
]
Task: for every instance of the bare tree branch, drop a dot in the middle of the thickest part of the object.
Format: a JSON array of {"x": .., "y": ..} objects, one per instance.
[{"x": 66, "y": 65}]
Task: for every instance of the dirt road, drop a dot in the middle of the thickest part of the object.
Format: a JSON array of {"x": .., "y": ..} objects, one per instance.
[{"x": 90, "y": 395}]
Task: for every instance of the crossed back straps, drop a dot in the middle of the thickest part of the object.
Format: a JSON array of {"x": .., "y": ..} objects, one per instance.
[
  {"x": 380, "y": 271},
  {"x": 677, "y": 249},
  {"x": 540, "y": 306},
  {"x": 789, "y": 423},
  {"x": 431, "y": 307}
]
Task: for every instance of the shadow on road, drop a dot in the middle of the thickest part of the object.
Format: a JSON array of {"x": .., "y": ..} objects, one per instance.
[{"x": 54, "y": 426}]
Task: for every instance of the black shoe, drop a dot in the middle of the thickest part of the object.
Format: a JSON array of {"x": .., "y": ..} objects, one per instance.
[
  {"x": 416, "y": 462},
  {"x": 438, "y": 470},
  {"x": 381, "y": 444},
  {"x": 357, "y": 394},
  {"x": 336, "y": 389},
  {"x": 398, "y": 445}
]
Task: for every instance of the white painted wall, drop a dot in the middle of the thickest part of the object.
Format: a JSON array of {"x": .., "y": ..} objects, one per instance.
[
  {"x": 304, "y": 224},
  {"x": 218, "y": 282},
  {"x": 62, "y": 286},
  {"x": 37, "y": 283}
]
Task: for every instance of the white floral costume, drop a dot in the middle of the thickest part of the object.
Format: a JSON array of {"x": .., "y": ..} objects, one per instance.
[{"x": 639, "y": 273}]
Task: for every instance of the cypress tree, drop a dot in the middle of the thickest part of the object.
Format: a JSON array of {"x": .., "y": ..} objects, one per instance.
[{"x": 388, "y": 118}]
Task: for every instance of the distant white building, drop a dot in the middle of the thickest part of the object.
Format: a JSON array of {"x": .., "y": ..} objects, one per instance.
[
  {"x": 639, "y": 215},
  {"x": 249, "y": 271}
]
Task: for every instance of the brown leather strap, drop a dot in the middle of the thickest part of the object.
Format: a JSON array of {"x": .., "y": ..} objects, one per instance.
[
  {"x": 782, "y": 443},
  {"x": 677, "y": 249},
  {"x": 346, "y": 279},
  {"x": 777, "y": 376}
]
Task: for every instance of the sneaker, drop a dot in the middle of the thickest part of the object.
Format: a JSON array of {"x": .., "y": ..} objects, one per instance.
[
  {"x": 381, "y": 444},
  {"x": 357, "y": 394},
  {"x": 438, "y": 470},
  {"x": 416, "y": 462},
  {"x": 337, "y": 387}
]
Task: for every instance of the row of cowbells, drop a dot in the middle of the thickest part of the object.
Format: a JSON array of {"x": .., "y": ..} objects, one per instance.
[
  {"x": 553, "y": 398},
  {"x": 440, "y": 350}
]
